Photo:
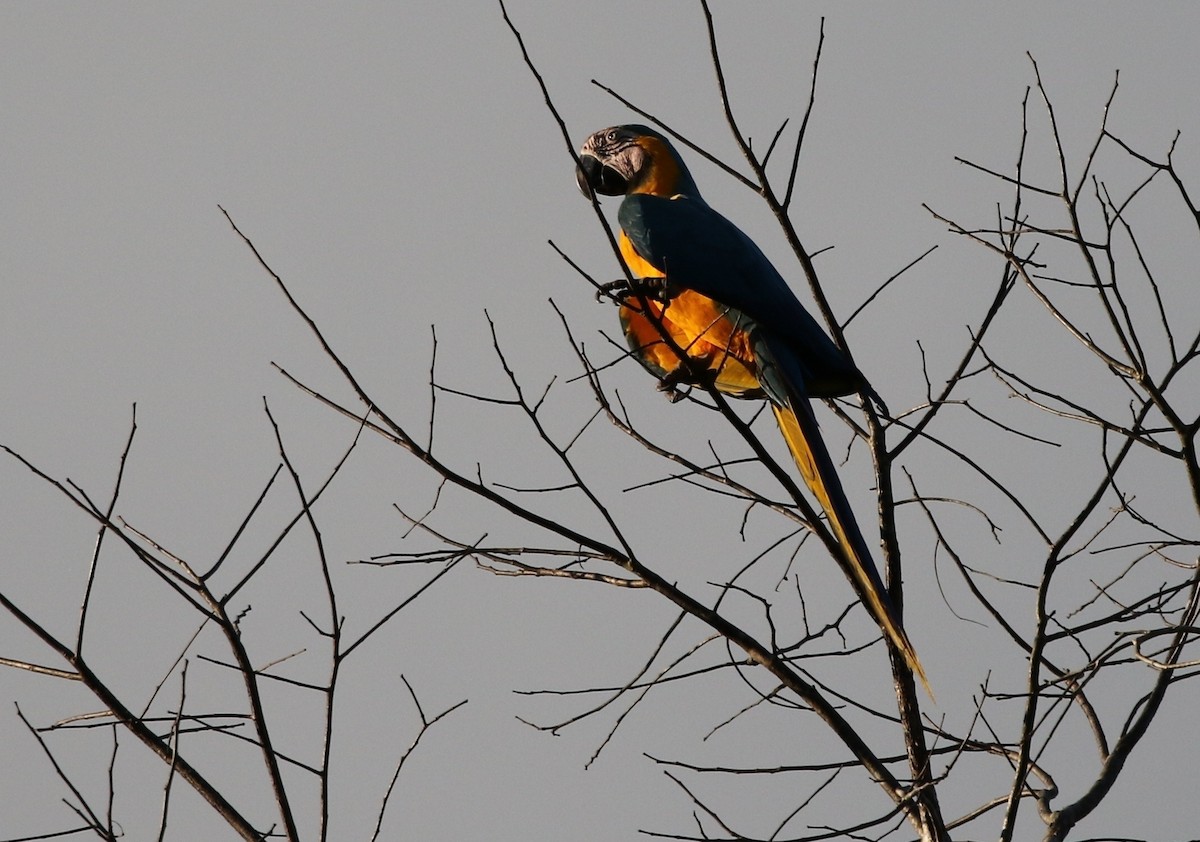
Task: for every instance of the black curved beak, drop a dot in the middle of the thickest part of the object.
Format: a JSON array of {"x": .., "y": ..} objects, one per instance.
[{"x": 594, "y": 177}]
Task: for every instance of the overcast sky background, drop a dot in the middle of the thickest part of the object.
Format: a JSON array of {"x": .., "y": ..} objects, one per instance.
[{"x": 395, "y": 164}]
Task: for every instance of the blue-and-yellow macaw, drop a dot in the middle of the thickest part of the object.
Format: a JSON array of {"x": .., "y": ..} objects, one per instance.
[{"x": 722, "y": 302}]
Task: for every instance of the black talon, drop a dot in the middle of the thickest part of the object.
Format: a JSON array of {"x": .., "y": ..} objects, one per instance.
[
  {"x": 671, "y": 392},
  {"x": 669, "y": 386}
]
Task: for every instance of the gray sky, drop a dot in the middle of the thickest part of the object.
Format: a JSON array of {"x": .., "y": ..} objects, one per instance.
[{"x": 395, "y": 164}]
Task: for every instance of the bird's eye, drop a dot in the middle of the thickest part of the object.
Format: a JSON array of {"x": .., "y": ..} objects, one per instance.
[{"x": 611, "y": 136}]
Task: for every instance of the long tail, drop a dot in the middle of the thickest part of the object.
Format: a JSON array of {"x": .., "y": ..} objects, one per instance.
[{"x": 800, "y": 431}]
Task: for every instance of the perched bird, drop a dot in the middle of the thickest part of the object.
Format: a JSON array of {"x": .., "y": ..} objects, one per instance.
[{"x": 706, "y": 285}]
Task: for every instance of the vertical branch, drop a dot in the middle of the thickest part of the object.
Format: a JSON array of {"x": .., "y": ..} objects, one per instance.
[
  {"x": 258, "y": 715},
  {"x": 808, "y": 110},
  {"x": 1070, "y": 199},
  {"x": 112, "y": 504},
  {"x": 166, "y": 804},
  {"x": 334, "y": 632}
]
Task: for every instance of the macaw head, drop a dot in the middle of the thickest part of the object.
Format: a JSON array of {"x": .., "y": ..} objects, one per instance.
[{"x": 632, "y": 159}]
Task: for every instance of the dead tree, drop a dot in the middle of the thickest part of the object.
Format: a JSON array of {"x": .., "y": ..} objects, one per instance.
[{"x": 1094, "y": 622}]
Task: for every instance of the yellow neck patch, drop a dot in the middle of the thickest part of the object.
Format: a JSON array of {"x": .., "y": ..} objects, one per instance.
[{"x": 663, "y": 176}]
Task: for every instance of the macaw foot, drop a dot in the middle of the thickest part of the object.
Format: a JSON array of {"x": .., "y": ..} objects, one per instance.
[
  {"x": 669, "y": 386},
  {"x": 657, "y": 289},
  {"x": 612, "y": 289},
  {"x": 669, "y": 383}
]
